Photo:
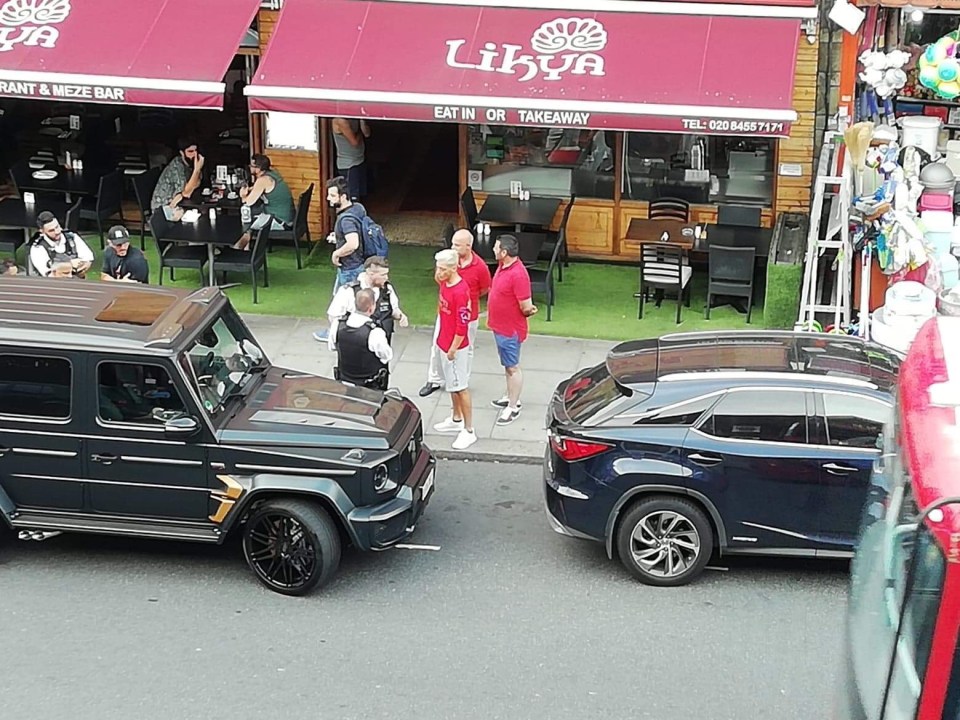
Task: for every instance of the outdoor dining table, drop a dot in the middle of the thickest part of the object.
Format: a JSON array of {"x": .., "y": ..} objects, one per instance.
[
  {"x": 505, "y": 210},
  {"x": 66, "y": 182},
  {"x": 641, "y": 232},
  {"x": 15, "y": 213},
  {"x": 224, "y": 231}
]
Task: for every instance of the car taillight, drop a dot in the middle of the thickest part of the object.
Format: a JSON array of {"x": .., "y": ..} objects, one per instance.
[{"x": 572, "y": 450}]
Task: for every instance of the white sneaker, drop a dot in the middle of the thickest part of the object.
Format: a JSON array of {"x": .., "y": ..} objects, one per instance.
[
  {"x": 504, "y": 402},
  {"x": 507, "y": 415},
  {"x": 449, "y": 426},
  {"x": 465, "y": 438}
]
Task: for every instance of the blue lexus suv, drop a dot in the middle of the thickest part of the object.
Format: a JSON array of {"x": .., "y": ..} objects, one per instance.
[{"x": 695, "y": 444}]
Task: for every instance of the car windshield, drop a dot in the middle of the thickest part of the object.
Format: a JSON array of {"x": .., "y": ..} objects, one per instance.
[{"x": 221, "y": 361}]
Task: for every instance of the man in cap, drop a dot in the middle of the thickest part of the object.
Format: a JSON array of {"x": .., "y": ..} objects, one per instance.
[{"x": 122, "y": 262}]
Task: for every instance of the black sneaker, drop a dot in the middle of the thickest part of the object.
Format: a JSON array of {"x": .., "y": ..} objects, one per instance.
[
  {"x": 504, "y": 402},
  {"x": 428, "y": 389}
]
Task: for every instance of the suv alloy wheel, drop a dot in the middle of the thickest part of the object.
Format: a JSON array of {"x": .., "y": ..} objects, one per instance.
[
  {"x": 665, "y": 541},
  {"x": 292, "y": 546}
]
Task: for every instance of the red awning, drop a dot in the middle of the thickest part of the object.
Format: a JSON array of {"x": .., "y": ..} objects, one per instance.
[
  {"x": 659, "y": 66},
  {"x": 171, "y": 53}
]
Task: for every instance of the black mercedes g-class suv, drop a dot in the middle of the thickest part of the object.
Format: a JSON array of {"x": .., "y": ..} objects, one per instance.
[{"x": 151, "y": 412}]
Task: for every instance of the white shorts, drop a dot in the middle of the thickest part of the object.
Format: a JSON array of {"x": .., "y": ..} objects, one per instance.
[{"x": 456, "y": 372}]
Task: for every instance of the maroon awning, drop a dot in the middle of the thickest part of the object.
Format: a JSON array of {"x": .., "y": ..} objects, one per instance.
[
  {"x": 664, "y": 66},
  {"x": 171, "y": 53}
]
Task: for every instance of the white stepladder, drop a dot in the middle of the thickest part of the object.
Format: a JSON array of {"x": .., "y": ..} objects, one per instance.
[{"x": 834, "y": 178}]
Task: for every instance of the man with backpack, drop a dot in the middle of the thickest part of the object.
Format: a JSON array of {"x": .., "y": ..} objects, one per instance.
[
  {"x": 54, "y": 246},
  {"x": 356, "y": 236}
]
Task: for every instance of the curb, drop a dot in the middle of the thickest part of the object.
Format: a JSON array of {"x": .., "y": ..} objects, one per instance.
[{"x": 490, "y": 457}]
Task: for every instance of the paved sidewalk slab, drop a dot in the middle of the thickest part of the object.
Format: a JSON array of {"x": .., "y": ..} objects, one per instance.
[{"x": 288, "y": 341}]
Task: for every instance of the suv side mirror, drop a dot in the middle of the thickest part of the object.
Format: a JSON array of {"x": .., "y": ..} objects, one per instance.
[{"x": 181, "y": 427}]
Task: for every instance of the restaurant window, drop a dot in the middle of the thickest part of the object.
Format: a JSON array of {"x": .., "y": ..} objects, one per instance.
[
  {"x": 292, "y": 131},
  {"x": 557, "y": 162},
  {"x": 697, "y": 168}
]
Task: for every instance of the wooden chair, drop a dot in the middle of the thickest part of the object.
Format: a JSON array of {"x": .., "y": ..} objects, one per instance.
[
  {"x": 301, "y": 226},
  {"x": 553, "y": 238},
  {"x": 252, "y": 260},
  {"x": 730, "y": 275},
  {"x": 662, "y": 269},
  {"x": 666, "y": 208}
]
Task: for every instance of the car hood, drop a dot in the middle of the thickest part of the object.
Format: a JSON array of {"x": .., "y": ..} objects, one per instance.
[{"x": 291, "y": 408}]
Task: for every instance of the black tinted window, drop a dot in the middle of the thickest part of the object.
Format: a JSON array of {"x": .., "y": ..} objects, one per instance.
[
  {"x": 35, "y": 386},
  {"x": 854, "y": 421},
  {"x": 587, "y": 395},
  {"x": 138, "y": 394},
  {"x": 769, "y": 415},
  {"x": 683, "y": 414}
]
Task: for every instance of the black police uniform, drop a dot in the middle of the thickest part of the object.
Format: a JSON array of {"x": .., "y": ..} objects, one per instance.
[
  {"x": 383, "y": 312},
  {"x": 356, "y": 363}
]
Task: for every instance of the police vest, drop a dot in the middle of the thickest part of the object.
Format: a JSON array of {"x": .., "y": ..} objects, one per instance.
[
  {"x": 383, "y": 312},
  {"x": 356, "y": 363}
]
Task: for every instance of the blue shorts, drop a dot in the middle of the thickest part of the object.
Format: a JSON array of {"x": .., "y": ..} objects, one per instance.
[
  {"x": 345, "y": 277},
  {"x": 508, "y": 348}
]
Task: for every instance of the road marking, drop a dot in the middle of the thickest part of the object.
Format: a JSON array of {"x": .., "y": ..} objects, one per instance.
[
  {"x": 406, "y": 546},
  {"x": 718, "y": 569}
]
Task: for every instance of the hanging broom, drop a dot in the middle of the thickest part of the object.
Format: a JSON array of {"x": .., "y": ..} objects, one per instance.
[{"x": 857, "y": 139}]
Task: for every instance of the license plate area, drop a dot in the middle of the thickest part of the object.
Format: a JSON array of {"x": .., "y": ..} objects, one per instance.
[{"x": 428, "y": 485}]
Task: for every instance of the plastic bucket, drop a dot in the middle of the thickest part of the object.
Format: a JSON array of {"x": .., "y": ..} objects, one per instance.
[
  {"x": 939, "y": 242},
  {"x": 921, "y": 131}
]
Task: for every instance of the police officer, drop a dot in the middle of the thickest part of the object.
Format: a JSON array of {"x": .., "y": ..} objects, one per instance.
[
  {"x": 363, "y": 352},
  {"x": 375, "y": 277}
]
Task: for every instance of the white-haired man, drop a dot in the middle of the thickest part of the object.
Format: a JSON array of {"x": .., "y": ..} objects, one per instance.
[{"x": 453, "y": 342}]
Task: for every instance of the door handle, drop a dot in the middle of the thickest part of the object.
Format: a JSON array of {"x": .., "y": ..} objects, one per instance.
[
  {"x": 705, "y": 460},
  {"x": 835, "y": 469},
  {"x": 105, "y": 459}
]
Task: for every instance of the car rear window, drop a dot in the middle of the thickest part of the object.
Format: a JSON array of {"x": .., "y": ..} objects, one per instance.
[{"x": 588, "y": 394}]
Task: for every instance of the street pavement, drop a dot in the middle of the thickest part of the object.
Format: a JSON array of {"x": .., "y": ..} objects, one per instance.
[
  {"x": 505, "y": 620},
  {"x": 545, "y": 361}
]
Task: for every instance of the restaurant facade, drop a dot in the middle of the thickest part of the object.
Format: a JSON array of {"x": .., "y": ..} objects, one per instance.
[{"x": 615, "y": 102}]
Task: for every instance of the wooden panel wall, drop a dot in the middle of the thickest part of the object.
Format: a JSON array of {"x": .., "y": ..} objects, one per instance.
[
  {"x": 300, "y": 168},
  {"x": 266, "y": 22},
  {"x": 793, "y": 193}
]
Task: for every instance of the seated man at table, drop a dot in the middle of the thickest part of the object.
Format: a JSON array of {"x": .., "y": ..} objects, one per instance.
[
  {"x": 55, "y": 246},
  {"x": 121, "y": 262},
  {"x": 180, "y": 178},
  {"x": 272, "y": 193}
]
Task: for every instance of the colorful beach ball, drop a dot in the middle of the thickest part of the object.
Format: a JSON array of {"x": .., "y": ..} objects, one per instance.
[{"x": 939, "y": 68}]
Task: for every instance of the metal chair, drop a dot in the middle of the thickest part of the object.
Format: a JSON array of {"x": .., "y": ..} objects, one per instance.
[
  {"x": 667, "y": 208},
  {"x": 553, "y": 238},
  {"x": 301, "y": 226},
  {"x": 252, "y": 260},
  {"x": 448, "y": 232},
  {"x": 192, "y": 257},
  {"x": 143, "y": 187},
  {"x": 71, "y": 221},
  {"x": 109, "y": 202},
  {"x": 541, "y": 281},
  {"x": 663, "y": 270},
  {"x": 468, "y": 204},
  {"x": 730, "y": 274},
  {"x": 742, "y": 215}
]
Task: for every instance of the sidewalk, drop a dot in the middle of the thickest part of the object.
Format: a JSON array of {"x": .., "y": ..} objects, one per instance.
[{"x": 545, "y": 361}]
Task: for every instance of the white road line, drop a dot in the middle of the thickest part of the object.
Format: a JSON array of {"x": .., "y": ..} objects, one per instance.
[{"x": 407, "y": 546}]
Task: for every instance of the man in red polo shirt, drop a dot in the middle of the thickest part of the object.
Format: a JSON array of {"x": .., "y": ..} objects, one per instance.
[
  {"x": 508, "y": 308},
  {"x": 477, "y": 276}
]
